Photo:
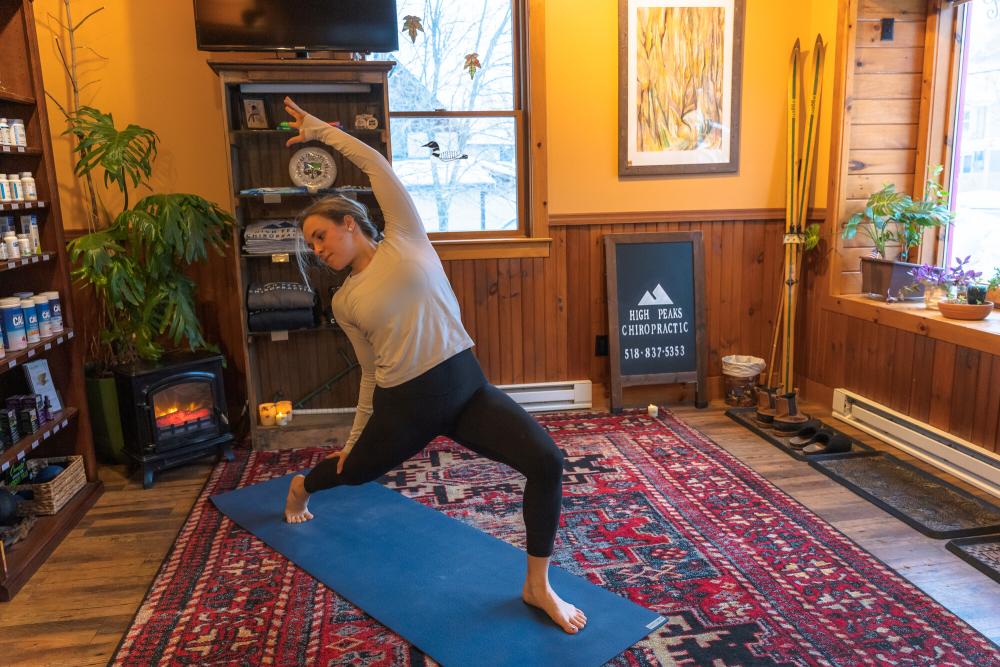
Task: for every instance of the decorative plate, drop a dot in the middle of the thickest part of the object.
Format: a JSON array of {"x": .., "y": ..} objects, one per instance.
[{"x": 312, "y": 168}]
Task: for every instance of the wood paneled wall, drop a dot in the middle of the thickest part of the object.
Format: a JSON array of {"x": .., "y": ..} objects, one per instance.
[
  {"x": 954, "y": 388},
  {"x": 536, "y": 319},
  {"x": 885, "y": 112}
]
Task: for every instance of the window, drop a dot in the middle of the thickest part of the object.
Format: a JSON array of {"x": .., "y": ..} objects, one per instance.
[
  {"x": 975, "y": 183},
  {"x": 458, "y": 141}
]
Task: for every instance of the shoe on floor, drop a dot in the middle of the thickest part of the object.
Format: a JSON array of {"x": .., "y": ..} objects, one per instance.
[{"x": 838, "y": 444}]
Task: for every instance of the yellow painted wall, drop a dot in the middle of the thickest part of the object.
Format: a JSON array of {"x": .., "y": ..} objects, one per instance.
[
  {"x": 582, "y": 81},
  {"x": 155, "y": 77},
  {"x": 152, "y": 76}
]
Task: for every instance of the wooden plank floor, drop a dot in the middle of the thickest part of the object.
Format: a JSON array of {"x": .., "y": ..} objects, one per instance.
[
  {"x": 78, "y": 605},
  {"x": 76, "y": 608}
]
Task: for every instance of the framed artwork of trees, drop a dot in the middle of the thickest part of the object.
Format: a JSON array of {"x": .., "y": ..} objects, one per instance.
[{"x": 680, "y": 66}]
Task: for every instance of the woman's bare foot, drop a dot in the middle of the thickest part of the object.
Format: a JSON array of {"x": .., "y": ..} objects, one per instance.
[
  {"x": 566, "y": 616},
  {"x": 297, "y": 504}
]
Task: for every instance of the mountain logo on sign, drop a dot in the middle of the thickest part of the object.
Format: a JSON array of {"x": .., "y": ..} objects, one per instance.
[{"x": 657, "y": 298}]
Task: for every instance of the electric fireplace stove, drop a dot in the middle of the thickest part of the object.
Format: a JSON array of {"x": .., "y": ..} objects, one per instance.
[{"x": 173, "y": 411}]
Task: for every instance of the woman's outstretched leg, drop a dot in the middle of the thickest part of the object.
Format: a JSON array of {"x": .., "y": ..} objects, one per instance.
[
  {"x": 495, "y": 426},
  {"x": 384, "y": 444}
]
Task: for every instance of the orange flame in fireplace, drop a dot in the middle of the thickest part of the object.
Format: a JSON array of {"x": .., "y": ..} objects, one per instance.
[{"x": 177, "y": 415}]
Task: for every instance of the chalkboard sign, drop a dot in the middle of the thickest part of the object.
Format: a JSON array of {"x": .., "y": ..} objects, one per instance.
[{"x": 656, "y": 311}]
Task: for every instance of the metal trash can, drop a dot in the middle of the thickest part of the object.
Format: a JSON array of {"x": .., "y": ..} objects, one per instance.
[{"x": 740, "y": 372}]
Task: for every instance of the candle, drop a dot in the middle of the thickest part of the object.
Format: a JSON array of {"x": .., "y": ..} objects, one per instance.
[
  {"x": 266, "y": 413},
  {"x": 652, "y": 410},
  {"x": 283, "y": 412}
]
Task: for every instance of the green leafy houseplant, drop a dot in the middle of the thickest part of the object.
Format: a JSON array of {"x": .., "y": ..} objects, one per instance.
[
  {"x": 994, "y": 282},
  {"x": 135, "y": 264},
  {"x": 895, "y": 216},
  {"x": 993, "y": 288}
]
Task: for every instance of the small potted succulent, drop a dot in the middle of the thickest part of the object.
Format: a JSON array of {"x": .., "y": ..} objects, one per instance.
[{"x": 895, "y": 217}]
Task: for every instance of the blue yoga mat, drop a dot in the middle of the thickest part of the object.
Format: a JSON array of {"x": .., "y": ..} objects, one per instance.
[{"x": 451, "y": 590}]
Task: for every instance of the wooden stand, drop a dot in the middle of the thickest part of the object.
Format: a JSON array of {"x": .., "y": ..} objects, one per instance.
[
  {"x": 22, "y": 96},
  {"x": 313, "y": 368}
]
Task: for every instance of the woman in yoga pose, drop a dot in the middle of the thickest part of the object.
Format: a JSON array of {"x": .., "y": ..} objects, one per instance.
[{"x": 419, "y": 378}]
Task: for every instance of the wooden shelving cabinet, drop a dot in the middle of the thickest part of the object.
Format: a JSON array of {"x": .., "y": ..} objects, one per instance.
[
  {"x": 294, "y": 364},
  {"x": 22, "y": 96}
]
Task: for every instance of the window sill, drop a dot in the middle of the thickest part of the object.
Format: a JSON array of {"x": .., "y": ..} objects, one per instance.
[
  {"x": 504, "y": 248},
  {"x": 983, "y": 335}
]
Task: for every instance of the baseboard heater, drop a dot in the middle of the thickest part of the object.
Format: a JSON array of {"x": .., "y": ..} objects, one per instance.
[
  {"x": 954, "y": 455},
  {"x": 548, "y": 396},
  {"x": 538, "y": 397}
]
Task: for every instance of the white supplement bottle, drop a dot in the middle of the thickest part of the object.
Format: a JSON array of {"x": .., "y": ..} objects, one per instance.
[
  {"x": 28, "y": 183},
  {"x": 24, "y": 241},
  {"x": 20, "y": 138},
  {"x": 13, "y": 248},
  {"x": 14, "y": 183},
  {"x": 44, "y": 315},
  {"x": 36, "y": 241},
  {"x": 55, "y": 311}
]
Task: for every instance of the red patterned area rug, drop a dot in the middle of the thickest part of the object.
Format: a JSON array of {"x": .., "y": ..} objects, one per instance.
[{"x": 653, "y": 510}]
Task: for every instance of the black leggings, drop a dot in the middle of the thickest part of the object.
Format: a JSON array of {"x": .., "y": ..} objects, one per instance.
[{"x": 454, "y": 399}]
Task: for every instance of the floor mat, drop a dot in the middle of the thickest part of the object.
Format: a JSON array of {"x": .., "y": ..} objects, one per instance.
[
  {"x": 925, "y": 502},
  {"x": 745, "y": 417},
  {"x": 982, "y": 553},
  {"x": 652, "y": 510}
]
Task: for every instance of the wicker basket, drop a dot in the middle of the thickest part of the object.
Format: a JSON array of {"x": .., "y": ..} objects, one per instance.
[{"x": 50, "y": 497}]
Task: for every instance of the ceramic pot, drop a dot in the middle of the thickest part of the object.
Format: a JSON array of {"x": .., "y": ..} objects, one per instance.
[
  {"x": 966, "y": 311},
  {"x": 881, "y": 278},
  {"x": 976, "y": 294}
]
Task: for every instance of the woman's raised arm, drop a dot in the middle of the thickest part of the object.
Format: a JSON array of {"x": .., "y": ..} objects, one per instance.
[{"x": 398, "y": 209}]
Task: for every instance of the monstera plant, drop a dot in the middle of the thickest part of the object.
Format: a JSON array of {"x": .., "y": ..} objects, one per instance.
[
  {"x": 135, "y": 263},
  {"x": 896, "y": 217}
]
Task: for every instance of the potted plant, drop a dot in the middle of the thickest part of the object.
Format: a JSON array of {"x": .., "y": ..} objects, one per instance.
[
  {"x": 935, "y": 282},
  {"x": 895, "y": 217},
  {"x": 968, "y": 304},
  {"x": 134, "y": 262},
  {"x": 993, "y": 288}
]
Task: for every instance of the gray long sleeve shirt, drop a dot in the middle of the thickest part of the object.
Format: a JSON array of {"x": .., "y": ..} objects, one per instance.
[{"x": 400, "y": 312}]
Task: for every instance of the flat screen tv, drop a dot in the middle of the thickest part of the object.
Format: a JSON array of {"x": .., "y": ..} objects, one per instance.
[{"x": 297, "y": 25}]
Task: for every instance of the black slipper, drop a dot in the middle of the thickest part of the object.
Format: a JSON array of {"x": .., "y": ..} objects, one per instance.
[
  {"x": 820, "y": 439},
  {"x": 838, "y": 444},
  {"x": 806, "y": 434},
  {"x": 812, "y": 423}
]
